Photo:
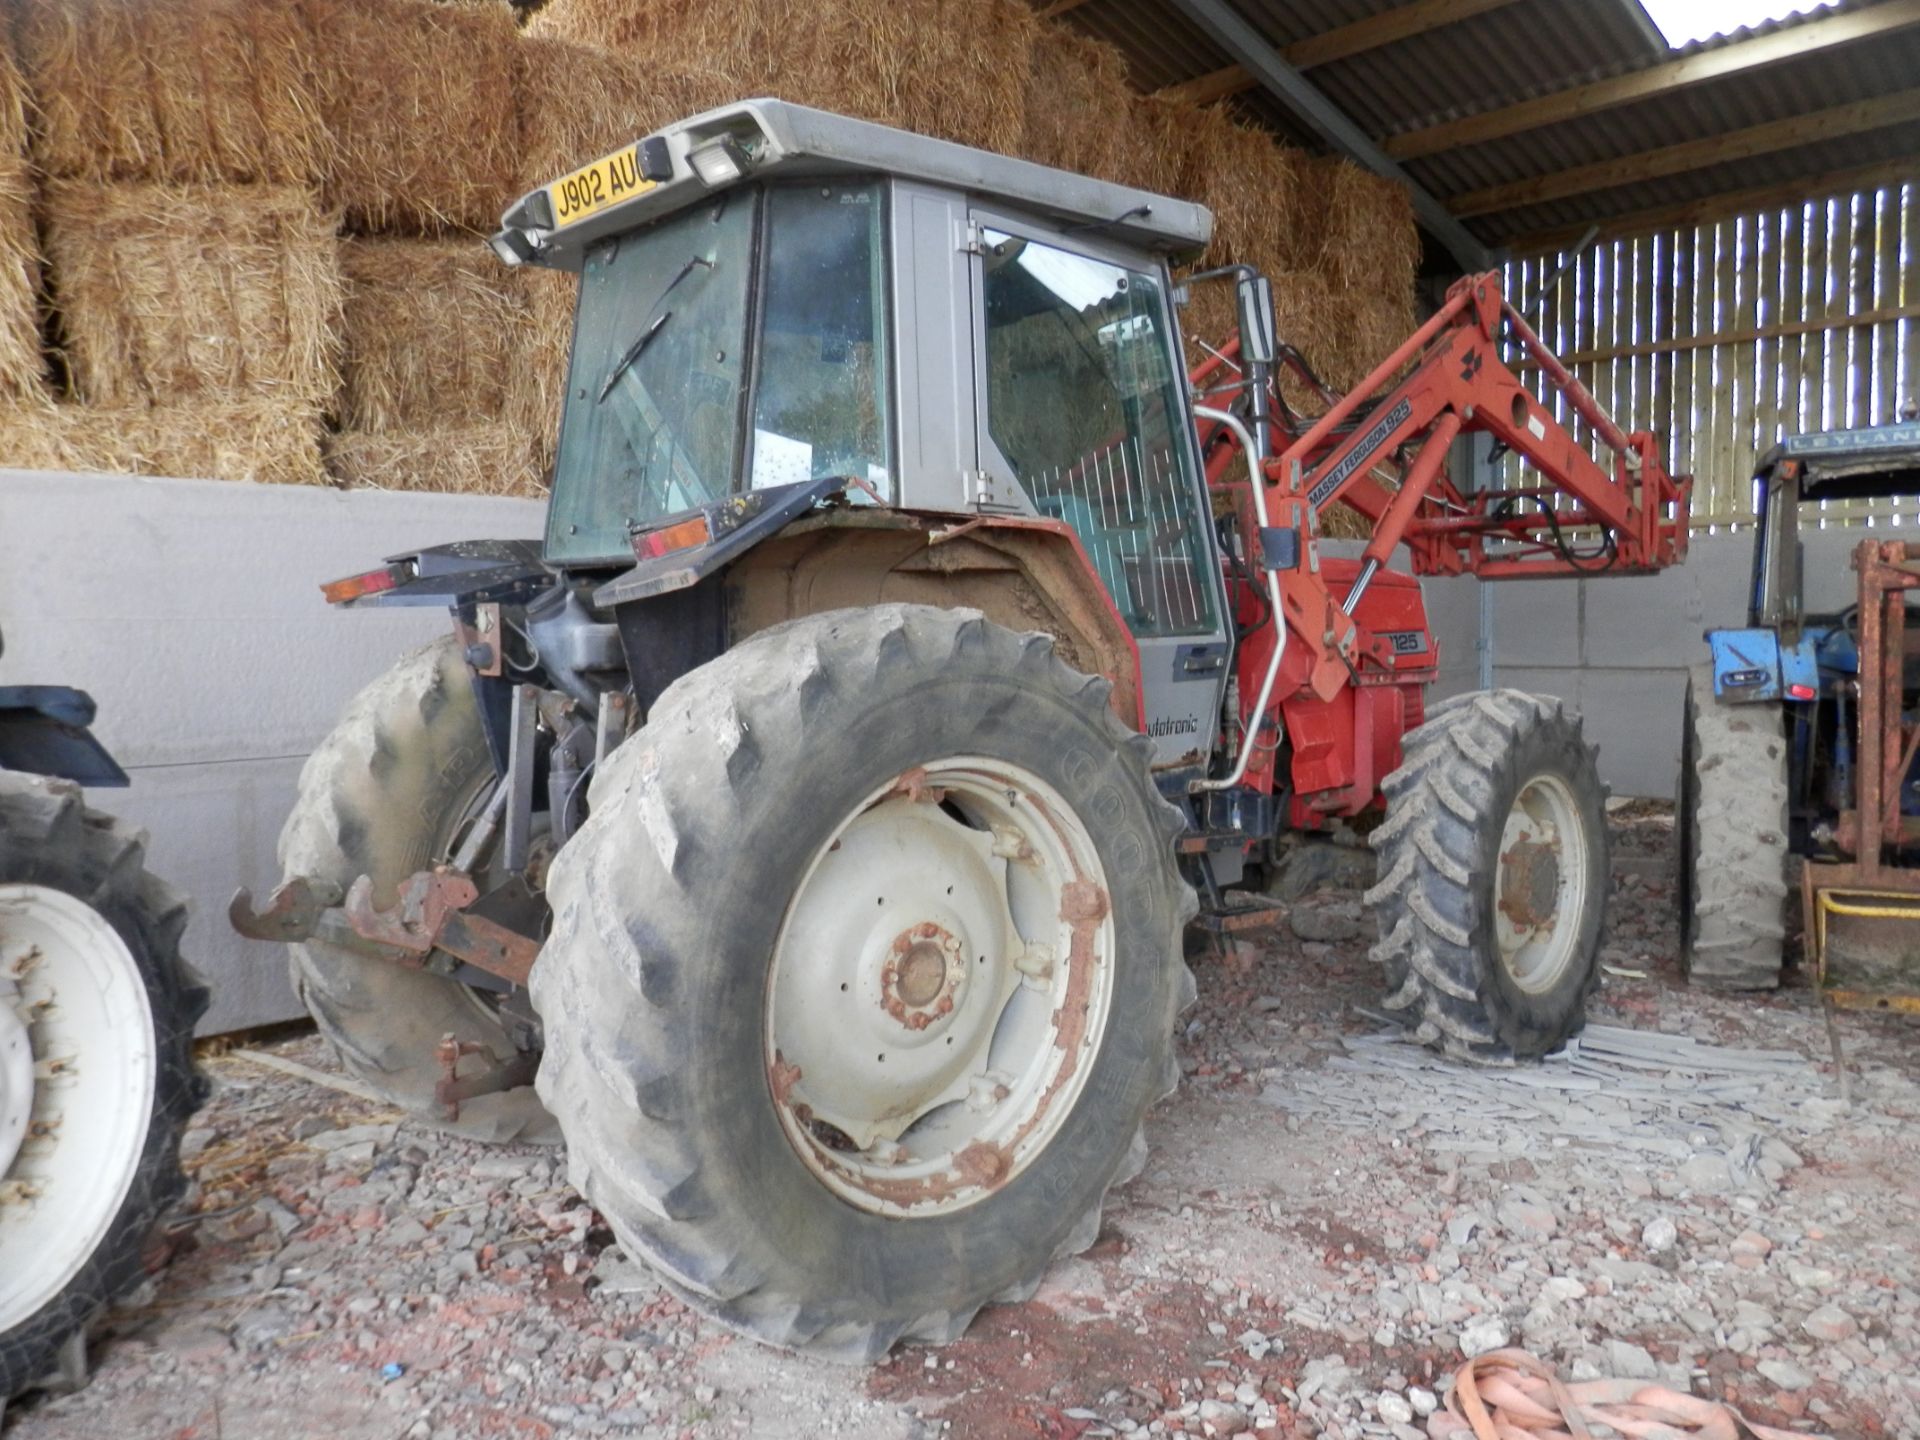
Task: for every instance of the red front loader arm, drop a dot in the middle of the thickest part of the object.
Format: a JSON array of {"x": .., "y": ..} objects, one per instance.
[
  {"x": 1387, "y": 460},
  {"x": 1633, "y": 512}
]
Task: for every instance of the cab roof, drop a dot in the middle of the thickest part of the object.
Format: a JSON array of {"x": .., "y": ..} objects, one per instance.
[
  {"x": 774, "y": 139},
  {"x": 1852, "y": 464}
]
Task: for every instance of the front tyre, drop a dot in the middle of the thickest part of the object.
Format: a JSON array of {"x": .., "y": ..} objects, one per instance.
[
  {"x": 96, "y": 1071},
  {"x": 863, "y": 976},
  {"x": 1493, "y": 877},
  {"x": 389, "y": 792},
  {"x": 1732, "y": 827}
]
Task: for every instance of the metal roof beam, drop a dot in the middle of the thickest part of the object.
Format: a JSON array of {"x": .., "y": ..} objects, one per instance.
[
  {"x": 1402, "y": 23},
  {"x": 1796, "y": 130},
  {"x": 1793, "y": 43},
  {"x": 1246, "y": 45}
]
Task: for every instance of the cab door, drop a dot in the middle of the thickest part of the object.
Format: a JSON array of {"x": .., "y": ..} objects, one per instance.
[{"x": 1083, "y": 417}]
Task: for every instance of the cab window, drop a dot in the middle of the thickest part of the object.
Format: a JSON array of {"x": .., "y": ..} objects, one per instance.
[{"x": 1084, "y": 404}]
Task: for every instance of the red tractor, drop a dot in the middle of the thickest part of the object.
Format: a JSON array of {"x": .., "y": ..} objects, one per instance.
[{"x": 810, "y": 824}]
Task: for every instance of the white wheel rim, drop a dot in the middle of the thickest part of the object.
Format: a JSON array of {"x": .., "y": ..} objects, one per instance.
[
  {"x": 939, "y": 988},
  {"x": 1540, "y": 885},
  {"x": 75, "y": 993}
]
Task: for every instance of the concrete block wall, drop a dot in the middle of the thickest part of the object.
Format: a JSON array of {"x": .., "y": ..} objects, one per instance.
[
  {"x": 1618, "y": 647},
  {"x": 191, "y": 610}
]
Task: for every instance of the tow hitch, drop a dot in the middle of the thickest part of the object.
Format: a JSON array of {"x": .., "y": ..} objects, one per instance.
[{"x": 430, "y": 915}]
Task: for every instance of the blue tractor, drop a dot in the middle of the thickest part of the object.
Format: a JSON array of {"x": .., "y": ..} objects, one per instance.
[{"x": 1799, "y": 742}]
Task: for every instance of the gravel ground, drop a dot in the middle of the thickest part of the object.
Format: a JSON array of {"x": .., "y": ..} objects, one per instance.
[{"x": 1331, "y": 1219}]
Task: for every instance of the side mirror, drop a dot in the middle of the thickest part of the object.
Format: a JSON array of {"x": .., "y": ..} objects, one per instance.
[{"x": 1257, "y": 345}]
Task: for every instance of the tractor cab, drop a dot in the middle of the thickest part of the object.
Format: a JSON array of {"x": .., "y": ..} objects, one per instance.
[
  {"x": 1783, "y": 653},
  {"x": 781, "y": 308}
]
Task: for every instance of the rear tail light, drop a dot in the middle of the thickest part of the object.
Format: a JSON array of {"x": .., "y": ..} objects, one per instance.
[
  {"x": 1801, "y": 692},
  {"x": 354, "y": 587},
  {"x": 682, "y": 536}
]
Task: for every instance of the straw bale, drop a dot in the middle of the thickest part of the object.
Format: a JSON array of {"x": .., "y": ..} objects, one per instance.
[
  {"x": 34, "y": 436},
  {"x": 579, "y": 102},
  {"x": 271, "y": 442},
  {"x": 167, "y": 291},
  {"x": 541, "y": 377},
  {"x": 22, "y": 369},
  {"x": 939, "y": 67},
  {"x": 1372, "y": 242},
  {"x": 491, "y": 458},
  {"x": 1077, "y": 112},
  {"x": 174, "y": 89},
  {"x": 1247, "y": 181},
  {"x": 420, "y": 99},
  {"x": 431, "y": 329}
]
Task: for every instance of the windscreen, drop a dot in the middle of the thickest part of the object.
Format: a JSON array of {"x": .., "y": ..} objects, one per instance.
[{"x": 652, "y": 418}]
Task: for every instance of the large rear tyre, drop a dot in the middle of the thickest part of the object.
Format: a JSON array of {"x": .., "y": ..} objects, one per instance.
[
  {"x": 1732, "y": 830},
  {"x": 1494, "y": 870},
  {"x": 863, "y": 976},
  {"x": 96, "y": 1068},
  {"x": 386, "y": 795}
]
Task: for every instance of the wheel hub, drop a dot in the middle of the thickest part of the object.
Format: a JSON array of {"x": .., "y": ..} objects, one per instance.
[
  {"x": 1530, "y": 883},
  {"x": 77, "y": 1063},
  {"x": 1540, "y": 886},
  {"x": 925, "y": 974},
  {"x": 922, "y": 1041}
]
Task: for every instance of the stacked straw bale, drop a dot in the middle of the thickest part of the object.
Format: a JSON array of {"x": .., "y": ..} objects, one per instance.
[
  {"x": 420, "y": 101},
  {"x": 175, "y": 90},
  {"x": 191, "y": 281},
  {"x": 22, "y": 369},
  {"x": 437, "y": 334},
  {"x": 173, "y": 292},
  {"x": 203, "y": 156},
  {"x": 940, "y": 67}
]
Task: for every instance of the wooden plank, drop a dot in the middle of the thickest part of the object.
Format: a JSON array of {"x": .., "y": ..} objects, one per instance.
[
  {"x": 1813, "y": 305},
  {"x": 1860, "y": 298},
  {"x": 1680, "y": 369},
  {"x": 1392, "y": 26},
  {"x": 1890, "y": 315},
  {"x": 1789, "y": 43},
  {"x": 1374, "y": 31},
  {"x": 1909, "y": 292},
  {"x": 1766, "y": 348},
  {"x": 1727, "y": 202},
  {"x": 1724, "y": 446},
  {"x": 1886, "y": 266},
  {"x": 1740, "y": 430},
  {"x": 1792, "y": 298},
  {"x": 1640, "y": 368},
  {"x": 1838, "y": 302},
  {"x": 1835, "y": 123}
]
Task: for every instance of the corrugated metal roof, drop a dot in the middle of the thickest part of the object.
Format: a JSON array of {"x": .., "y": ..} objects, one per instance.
[{"x": 1529, "y": 48}]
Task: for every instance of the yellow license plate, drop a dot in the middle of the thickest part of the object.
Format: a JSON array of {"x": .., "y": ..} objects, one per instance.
[{"x": 593, "y": 188}]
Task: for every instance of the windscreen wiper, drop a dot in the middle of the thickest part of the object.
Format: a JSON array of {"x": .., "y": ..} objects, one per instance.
[
  {"x": 639, "y": 346},
  {"x": 634, "y": 352}
]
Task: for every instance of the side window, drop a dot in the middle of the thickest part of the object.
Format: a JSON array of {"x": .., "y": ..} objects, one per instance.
[
  {"x": 1083, "y": 401},
  {"x": 820, "y": 406}
]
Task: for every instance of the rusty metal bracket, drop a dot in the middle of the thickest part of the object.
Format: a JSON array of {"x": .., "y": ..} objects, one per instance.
[
  {"x": 292, "y": 913},
  {"x": 430, "y": 915},
  {"x": 453, "y": 1088}
]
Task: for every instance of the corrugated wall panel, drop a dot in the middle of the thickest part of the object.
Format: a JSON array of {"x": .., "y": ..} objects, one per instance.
[{"x": 1723, "y": 337}]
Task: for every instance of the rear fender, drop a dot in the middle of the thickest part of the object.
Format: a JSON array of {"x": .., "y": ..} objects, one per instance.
[
  {"x": 1752, "y": 667},
  {"x": 44, "y": 731}
]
